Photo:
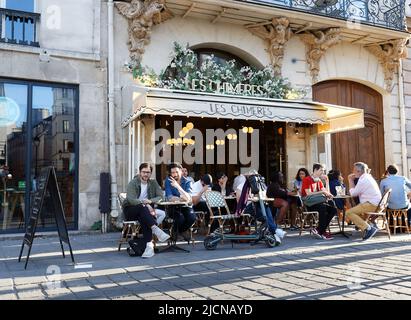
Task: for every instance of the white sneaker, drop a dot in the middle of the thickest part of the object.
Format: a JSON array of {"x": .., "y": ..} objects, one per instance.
[
  {"x": 149, "y": 252},
  {"x": 160, "y": 234},
  {"x": 280, "y": 232}
]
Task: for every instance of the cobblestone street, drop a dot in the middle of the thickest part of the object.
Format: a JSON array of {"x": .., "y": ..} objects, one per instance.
[{"x": 301, "y": 268}]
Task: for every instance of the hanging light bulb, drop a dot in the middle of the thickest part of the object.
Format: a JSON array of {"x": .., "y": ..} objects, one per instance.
[
  {"x": 169, "y": 141},
  {"x": 245, "y": 129},
  {"x": 185, "y": 130},
  {"x": 190, "y": 125},
  {"x": 218, "y": 142},
  {"x": 250, "y": 129},
  {"x": 208, "y": 147},
  {"x": 222, "y": 142},
  {"x": 229, "y": 136},
  {"x": 181, "y": 134},
  {"x": 212, "y": 147},
  {"x": 234, "y": 136},
  {"x": 179, "y": 141}
]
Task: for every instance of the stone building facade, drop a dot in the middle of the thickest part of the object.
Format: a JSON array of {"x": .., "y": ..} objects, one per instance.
[{"x": 318, "y": 47}]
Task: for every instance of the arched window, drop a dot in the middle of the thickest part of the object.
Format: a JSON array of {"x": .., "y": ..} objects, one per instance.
[{"x": 219, "y": 56}]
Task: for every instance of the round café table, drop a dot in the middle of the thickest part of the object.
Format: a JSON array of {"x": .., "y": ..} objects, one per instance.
[
  {"x": 172, "y": 246},
  {"x": 345, "y": 234}
]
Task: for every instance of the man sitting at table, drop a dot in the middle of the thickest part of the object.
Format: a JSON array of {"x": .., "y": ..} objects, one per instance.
[
  {"x": 142, "y": 192},
  {"x": 400, "y": 186},
  {"x": 197, "y": 194},
  {"x": 369, "y": 194},
  {"x": 178, "y": 188}
]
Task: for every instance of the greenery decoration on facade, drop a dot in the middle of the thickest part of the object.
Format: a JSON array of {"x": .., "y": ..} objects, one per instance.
[{"x": 185, "y": 73}]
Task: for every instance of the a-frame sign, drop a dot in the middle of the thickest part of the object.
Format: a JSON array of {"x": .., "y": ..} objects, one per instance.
[{"x": 46, "y": 182}]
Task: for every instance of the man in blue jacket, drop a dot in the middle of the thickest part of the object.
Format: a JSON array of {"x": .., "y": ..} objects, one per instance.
[
  {"x": 400, "y": 188},
  {"x": 178, "y": 188}
]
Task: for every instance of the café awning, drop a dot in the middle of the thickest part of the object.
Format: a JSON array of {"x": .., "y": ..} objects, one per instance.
[{"x": 329, "y": 118}]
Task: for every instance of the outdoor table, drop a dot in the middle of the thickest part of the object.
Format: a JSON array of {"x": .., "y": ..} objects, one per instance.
[
  {"x": 173, "y": 235},
  {"x": 256, "y": 199},
  {"x": 345, "y": 234}
]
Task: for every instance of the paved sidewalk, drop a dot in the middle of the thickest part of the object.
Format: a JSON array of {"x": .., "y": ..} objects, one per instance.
[{"x": 301, "y": 268}]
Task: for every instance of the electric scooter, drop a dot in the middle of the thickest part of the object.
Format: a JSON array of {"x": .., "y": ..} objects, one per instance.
[{"x": 261, "y": 232}]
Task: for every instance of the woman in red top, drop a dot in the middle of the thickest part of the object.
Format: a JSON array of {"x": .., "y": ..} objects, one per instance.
[{"x": 313, "y": 184}]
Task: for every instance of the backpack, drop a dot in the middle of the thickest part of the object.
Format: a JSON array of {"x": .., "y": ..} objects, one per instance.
[{"x": 137, "y": 247}]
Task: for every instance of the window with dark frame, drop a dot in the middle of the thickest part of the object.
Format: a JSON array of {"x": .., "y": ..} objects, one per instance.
[
  {"x": 45, "y": 124},
  {"x": 66, "y": 126}
]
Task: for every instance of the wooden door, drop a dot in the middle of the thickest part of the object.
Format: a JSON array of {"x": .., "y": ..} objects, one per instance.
[{"x": 367, "y": 144}]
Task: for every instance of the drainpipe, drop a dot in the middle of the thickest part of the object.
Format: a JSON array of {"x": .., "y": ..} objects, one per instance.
[
  {"x": 111, "y": 119},
  {"x": 402, "y": 120}
]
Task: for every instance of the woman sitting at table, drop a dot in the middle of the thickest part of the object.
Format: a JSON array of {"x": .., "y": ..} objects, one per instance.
[
  {"x": 298, "y": 182},
  {"x": 336, "y": 182},
  {"x": 222, "y": 185},
  {"x": 276, "y": 190},
  {"x": 225, "y": 188}
]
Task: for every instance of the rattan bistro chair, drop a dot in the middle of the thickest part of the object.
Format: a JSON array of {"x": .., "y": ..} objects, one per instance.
[
  {"x": 130, "y": 228},
  {"x": 304, "y": 215},
  {"x": 380, "y": 212},
  {"x": 397, "y": 219},
  {"x": 215, "y": 201}
]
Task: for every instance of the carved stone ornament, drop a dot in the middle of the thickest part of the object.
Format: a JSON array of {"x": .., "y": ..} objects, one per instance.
[
  {"x": 317, "y": 43},
  {"x": 141, "y": 15},
  {"x": 276, "y": 34},
  {"x": 389, "y": 55}
]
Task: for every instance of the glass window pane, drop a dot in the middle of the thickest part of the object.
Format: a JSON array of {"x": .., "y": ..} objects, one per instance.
[
  {"x": 53, "y": 145},
  {"x": 18, "y": 28},
  {"x": 22, "y": 5},
  {"x": 13, "y": 114}
]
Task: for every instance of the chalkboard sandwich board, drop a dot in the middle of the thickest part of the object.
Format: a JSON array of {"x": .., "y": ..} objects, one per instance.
[{"x": 46, "y": 185}]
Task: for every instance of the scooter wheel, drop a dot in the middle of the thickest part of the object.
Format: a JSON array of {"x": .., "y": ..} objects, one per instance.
[
  {"x": 271, "y": 242},
  {"x": 210, "y": 243}
]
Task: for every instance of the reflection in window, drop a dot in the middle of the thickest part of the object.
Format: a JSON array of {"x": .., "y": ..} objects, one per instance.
[
  {"x": 13, "y": 114},
  {"x": 66, "y": 126},
  {"x": 52, "y": 131},
  {"x": 53, "y": 121},
  {"x": 65, "y": 145}
]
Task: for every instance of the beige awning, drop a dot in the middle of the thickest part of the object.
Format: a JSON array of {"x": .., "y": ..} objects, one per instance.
[
  {"x": 341, "y": 118},
  {"x": 330, "y": 118}
]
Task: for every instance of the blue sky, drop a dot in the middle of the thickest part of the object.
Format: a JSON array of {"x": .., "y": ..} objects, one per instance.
[{"x": 23, "y": 5}]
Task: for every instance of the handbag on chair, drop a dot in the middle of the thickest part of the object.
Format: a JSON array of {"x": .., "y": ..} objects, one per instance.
[{"x": 313, "y": 199}]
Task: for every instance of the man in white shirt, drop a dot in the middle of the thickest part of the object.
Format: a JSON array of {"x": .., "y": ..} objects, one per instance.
[
  {"x": 197, "y": 192},
  {"x": 369, "y": 194}
]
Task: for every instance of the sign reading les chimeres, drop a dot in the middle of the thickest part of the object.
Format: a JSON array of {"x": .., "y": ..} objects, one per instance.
[{"x": 47, "y": 190}]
